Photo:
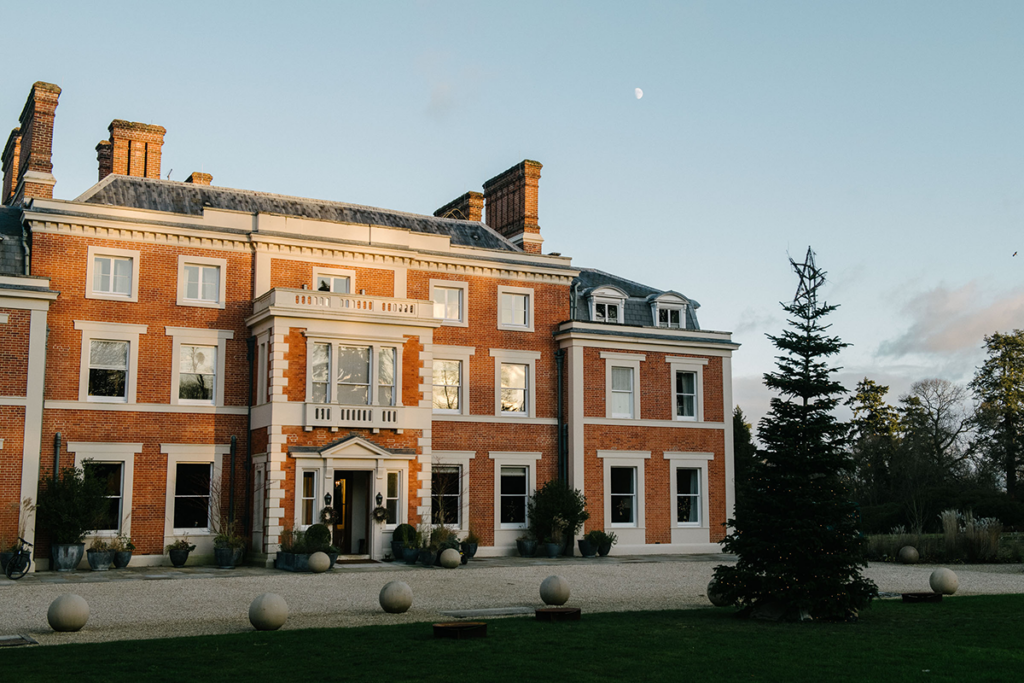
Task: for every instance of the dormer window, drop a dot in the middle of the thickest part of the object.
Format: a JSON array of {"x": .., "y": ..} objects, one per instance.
[
  {"x": 607, "y": 305},
  {"x": 669, "y": 310}
]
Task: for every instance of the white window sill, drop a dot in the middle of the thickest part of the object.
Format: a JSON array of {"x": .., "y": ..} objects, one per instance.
[
  {"x": 107, "y": 399},
  {"x": 201, "y": 304}
]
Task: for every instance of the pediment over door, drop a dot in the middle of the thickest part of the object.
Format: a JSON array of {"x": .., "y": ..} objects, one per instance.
[{"x": 352, "y": 448}]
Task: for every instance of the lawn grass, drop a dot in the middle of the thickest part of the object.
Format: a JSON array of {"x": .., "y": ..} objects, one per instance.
[{"x": 977, "y": 638}]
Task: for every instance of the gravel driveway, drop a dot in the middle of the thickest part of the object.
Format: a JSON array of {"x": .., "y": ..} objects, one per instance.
[{"x": 161, "y": 602}]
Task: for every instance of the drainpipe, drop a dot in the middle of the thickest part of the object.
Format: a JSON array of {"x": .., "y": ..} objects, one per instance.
[
  {"x": 231, "y": 485},
  {"x": 56, "y": 455},
  {"x": 563, "y": 461},
  {"x": 250, "y": 346}
]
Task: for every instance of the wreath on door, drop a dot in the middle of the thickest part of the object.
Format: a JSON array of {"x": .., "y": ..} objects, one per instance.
[
  {"x": 328, "y": 516},
  {"x": 380, "y": 514}
]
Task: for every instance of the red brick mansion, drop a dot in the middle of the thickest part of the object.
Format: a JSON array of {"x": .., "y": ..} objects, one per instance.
[{"x": 218, "y": 352}]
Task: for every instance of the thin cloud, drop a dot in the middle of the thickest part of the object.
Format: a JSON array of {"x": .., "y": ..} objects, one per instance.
[{"x": 955, "y": 321}]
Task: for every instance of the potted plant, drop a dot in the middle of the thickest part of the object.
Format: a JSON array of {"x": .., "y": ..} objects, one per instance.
[
  {"x": 318, "y": 539},
  {"x": 123, "y": 548},
  {"x": 526, "y": 545},
  {"x": 227, "y": 549},
  {"x": 402, "y": 535},
  {"x": 551, "y": 547},
  {"x": 411, "y": 548},
  {"x": 470, "y": 545},
  {"x": 179, "y": 550},
  {"x": 444, "y": 538},
  {"x": 293, "y": 556},
  {"x": 428, "y": 547},
  {"x": 557, "y": 512},
  {"x": 70, "y": 505},
  {"x": 587, "y": 549},
  {"x": 100, "y": 555},
  {"x": 601, "y": 541}
]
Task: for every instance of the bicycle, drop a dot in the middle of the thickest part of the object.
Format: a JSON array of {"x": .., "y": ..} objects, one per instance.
[{"x": 20, "y": 563}]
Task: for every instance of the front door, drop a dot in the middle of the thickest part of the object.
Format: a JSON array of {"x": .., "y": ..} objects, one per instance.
[{"x": 351, "y": 522}]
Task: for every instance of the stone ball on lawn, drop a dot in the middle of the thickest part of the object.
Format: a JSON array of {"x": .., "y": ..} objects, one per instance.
[
  {"x": 450, "y": 558},
  {"x": 396, "y": 597},
  {"x": 69, "y": 612},
  {"x": 715, "y": 596},
  {"x": 908, "y": 555},
  {"x": 944, "y": 581},
  {"x": 319, "y": 563},
  {"x": 554, "y": 590},
  {"x": 268, "y": 612}
]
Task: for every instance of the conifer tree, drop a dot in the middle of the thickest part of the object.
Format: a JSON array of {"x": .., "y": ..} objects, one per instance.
[
  {"x": 998, "y": 386},
  {"x": 799, "y": 550}
]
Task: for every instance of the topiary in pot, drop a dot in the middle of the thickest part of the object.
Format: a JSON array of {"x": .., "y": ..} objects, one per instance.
[
  {"x": 69, "y": 506},
  {"x": 557, "y": 512}
]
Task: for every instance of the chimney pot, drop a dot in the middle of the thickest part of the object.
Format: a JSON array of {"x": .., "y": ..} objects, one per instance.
[
  {"x": 468, "y": 207},
  {"x": 27, "y": 157}
]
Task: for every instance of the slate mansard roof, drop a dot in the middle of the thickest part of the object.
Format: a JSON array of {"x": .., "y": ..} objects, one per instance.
[
  {"x": 12, "y": 250},
  {"x": 186, "y": 198},
  {"x": 637, "y": 308}
]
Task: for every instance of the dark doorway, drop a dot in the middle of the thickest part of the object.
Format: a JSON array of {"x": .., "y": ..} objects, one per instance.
[{"x": 351, "y": 507}]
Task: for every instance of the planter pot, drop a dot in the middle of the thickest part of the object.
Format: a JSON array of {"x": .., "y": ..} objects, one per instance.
[
  {"x": 427, "y": 558},
  {"x": 396, "y": 550},
  {"x": 333, "y": 557},
  {"x": 285, "y": 561},
  {"x": 122, "y": 558},
  {"x": 587, "y": 548},
  {"x": 410, "y": 555},
  {"x": 178, "y": 557},
  {"x": 469, "y": 549},
  {"x": 552, "y": 549},
  {"x": 66, "y": 556},
  {"x": 301, "y": 562},
  {"x": 604, "y": 549},
  {"x": 526, "y": 548},
  {"x": 100, "y": 560},
  {"x": 226, "y": 558},
  {"x": 569, "y": 548}
]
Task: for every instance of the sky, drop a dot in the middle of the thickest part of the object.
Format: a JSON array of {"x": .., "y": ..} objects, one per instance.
[{"x": 887, "y": 136}]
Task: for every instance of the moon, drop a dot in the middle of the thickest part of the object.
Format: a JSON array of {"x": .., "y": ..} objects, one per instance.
[{"x": 639, "y": 93}]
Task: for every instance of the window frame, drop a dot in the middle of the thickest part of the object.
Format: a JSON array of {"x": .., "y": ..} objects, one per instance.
[
  {"x": 192, "y": 336},
  {"x": 399, "y": 508},
  {"x": 502, "y": 459},
  {"x": 622, "y": 360},
  {"x": 520, "y": 291},
  {"x": 300, "y": 475},
  {"x": 333, "y": 273},
  {"x": 528, "y": 358},
  {"x": 629, "y": 459},
  {"x": 95, "y": 252},
  {"x": 463, "y": 320},
  {"x": 450, "y": 458},
  {"x": 97, "y": 331},
  {"x": 679, "y": 460},
  {"x": 375, "y": 345},
  {"x": 111, "y": 452},
  {"x": 687, "y": 364},
  {"x": 211, "y": 454},
  {"x": 462, "y": 354},
  {"x": 461, "y": 473},
  {"x": 204, "y": 261}
]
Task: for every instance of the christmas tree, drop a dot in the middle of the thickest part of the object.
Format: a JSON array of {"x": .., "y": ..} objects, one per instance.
[{"x": 799, "y": 551}]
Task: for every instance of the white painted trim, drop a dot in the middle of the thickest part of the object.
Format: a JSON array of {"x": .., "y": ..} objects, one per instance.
[
  {"x": 148, "y": 408},
  {"x": 194, "y": 336},
  {"x": 222, "y": 278},
  {"x": 33, "y": 429},
  {"x": 528, "y": 291},
  {"x": 119, "y": 452},
  {"x": 693, "y": 461},
  {"x": 462, "y": 459},
  {"x": 528, "y": 358},
  {"x": 696, "y": 366},
  {"x": 375, "y": 343},
  {"x": 3, "y": 318},
  {"x": 730, "y": 449},
  {"x": 99, "y": 331},
  {"x": 668, "y": 424},
  {"x": 632, "y": 533},
  {"x": 191, "y": 453},
  {"x": 461, "y": 354},
  {"x": 501, "y": 459},
  {"x": 622, "y": 360},
  {"x": 463, "y": 320},
  {"x": 90, "y": 272},
  {"x": 13, "y": 400},
  {"x": 494, "y": 419}
]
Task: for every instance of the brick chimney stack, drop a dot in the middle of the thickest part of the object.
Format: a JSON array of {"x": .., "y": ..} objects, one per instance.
[
  {"x": 468, "y": 207},
  {"x": 135, "y": 150},
  {"x": 28, "y": 171},
  {"x": 198, "y": 178},
  {"x": 511, "y": 200}
]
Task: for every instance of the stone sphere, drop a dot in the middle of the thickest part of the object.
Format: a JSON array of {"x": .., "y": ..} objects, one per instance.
[
  {"x": 69, "y": 612},
  {"x": 944, "y": 581},
  {"x": 715, "y": 596},
  {"x": 554, "y": 590},
  {"x": 450, "y": 558},
  {"x": 396, "y": 597},
  {"x": 268, "y": 612},
  {"x": 319, "y": 563},
  {"x": 908, "y": 555}
]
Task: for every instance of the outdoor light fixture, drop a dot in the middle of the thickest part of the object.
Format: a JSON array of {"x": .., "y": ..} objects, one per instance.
[
  {"x": 380, "y": 499},
  {"x": 327, "y": 499}
]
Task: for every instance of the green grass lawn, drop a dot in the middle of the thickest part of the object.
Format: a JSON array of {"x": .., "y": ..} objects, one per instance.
[{"x": 961, "y": 639}]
